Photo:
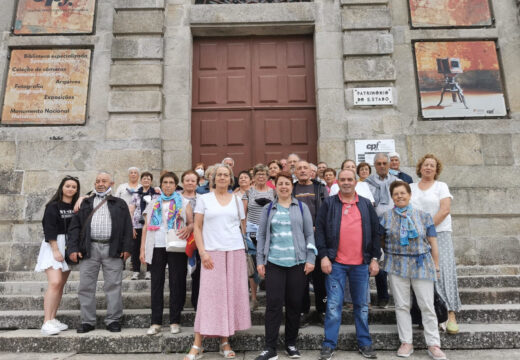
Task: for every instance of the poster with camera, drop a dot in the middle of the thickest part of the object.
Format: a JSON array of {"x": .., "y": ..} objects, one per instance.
[
  {"x": 450, "y": 13},
  {"x": 35, "y": 17},
  {"x": 459, "y": 79}
]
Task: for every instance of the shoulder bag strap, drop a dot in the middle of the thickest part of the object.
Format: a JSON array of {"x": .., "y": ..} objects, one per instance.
[{"x": 240, "y": 222}]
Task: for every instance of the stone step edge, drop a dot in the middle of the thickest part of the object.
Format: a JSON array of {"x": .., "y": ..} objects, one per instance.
[{"x": 471, "y": 336}]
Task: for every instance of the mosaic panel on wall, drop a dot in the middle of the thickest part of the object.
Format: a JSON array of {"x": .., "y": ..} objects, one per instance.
[
  {"x": 47, "y": 87},
  {"x": 459, "y": 79},
  {"x": 450, "y": 13},
  {"x": 35, "y": 17}
]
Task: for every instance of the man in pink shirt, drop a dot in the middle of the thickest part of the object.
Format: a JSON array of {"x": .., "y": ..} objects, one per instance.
[{"x": 347, "y": 238}]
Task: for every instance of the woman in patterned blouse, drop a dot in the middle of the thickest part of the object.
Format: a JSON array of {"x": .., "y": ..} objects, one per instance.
[{"x": 411, "y": 258}]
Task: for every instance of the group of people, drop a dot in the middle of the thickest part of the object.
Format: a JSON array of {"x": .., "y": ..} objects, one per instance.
[{"x": 302, "y": 224}]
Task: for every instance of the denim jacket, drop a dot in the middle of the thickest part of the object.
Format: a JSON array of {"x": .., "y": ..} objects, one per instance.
[
  {"x": 302, "y": 231},
  {"x": 328, "y": 224}
]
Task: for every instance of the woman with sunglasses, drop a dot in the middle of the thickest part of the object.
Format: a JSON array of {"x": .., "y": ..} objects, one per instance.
[
  {"x": 56, "y": 219},
  {"x": 254, "y": 200}
]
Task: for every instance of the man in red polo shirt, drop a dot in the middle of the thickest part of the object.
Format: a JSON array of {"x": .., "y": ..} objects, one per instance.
[{"x": 347, "y": 238}]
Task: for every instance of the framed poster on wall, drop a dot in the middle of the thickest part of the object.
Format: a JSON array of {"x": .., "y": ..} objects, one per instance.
[
  {"x": 47, "y": 87},
  {"x": 40, "y": 17},
  {"x": 450, "y": 13},
  {"x": 459, "y": 79}
]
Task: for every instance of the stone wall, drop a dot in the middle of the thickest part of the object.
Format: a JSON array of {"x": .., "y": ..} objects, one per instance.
[{"x": 139, "y": 109}]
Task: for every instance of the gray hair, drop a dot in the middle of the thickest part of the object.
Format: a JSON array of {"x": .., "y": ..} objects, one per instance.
[
  {"x": 228, "y": 158},
  {"x": 133, "y": 168},
  {"x": 259, "y": 168},
  {"x": 313, "y": 167},
  {"x": 213, "y": 175},
  {"x": 103, "y": 172},
  {"x": 293, "y": 154},
  {"x": 352, "y": 171},
  {"x": 380, "y": 155}
]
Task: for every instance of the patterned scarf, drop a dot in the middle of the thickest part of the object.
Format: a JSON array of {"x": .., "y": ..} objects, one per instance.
[
  {"x": 174, "y": 211},
  {"x": 407, "y": 229}
]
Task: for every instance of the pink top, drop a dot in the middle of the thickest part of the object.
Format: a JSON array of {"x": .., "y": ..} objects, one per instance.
[{"x": 350, "y": 248}]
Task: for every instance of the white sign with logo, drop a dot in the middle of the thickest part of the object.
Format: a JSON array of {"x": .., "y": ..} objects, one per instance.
[
  {"x": 367, "y": 149},
  {"x": 373, "y": 96}
]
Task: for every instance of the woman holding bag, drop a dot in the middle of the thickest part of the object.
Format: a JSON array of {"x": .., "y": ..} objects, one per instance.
[
  {"x": 168, "y": 213},
  {"x": 223, "y": 305}
]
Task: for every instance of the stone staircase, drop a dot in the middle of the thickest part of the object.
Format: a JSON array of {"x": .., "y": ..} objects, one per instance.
[{"x": 490, "y": 318}]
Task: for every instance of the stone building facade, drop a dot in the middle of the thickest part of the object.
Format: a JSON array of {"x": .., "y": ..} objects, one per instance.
[{"x": 140, "y": 108}]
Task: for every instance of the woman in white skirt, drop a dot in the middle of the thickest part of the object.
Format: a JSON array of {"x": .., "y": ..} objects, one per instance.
[{"x": 57, "y": 217}]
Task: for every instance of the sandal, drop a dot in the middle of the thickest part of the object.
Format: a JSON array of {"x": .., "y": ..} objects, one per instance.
[
  {"x": 196, "y": 356},
  {"x": 227, "y": 354}
]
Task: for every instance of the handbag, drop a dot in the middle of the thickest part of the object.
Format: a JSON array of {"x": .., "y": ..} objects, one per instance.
[
  {"x": 249, "y": 259},
  {"x": 173, "y": 242},
  {"x": 441, "y": 310}
]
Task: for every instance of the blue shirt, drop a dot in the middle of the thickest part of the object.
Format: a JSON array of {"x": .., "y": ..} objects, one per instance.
[
  {"x": 413, "y": 261},
  {"x": 281, "y": 248}
]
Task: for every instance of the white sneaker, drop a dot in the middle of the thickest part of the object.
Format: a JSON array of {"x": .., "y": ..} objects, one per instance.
[
  {"x": 48, "y": 328},
  {"x": 148, "y": 275},
  {"x": 175, "y": 328},
  {"x": 153, "y": 330},
  {"x": 59, "y": 324},
  {"x": 135, "y": 276}
]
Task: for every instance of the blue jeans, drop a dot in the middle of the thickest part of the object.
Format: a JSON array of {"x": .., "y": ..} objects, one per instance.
[{"x": 335, "y": 284}]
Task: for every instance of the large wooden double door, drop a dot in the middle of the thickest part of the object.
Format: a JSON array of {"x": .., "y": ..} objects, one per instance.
[{"x": 253, "y": 99}]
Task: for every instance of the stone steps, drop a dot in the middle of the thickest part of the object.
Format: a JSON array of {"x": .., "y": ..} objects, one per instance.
[
  {"x": 39, "y": 287},
  {"x": 471, "y": 336},
  {"x": 468, "y": 270},
  {"x": 140, "y": 318},
  {"x": 133, "y": 300}
]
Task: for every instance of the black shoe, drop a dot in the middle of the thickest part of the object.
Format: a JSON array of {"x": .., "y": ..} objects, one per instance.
[
  {"x": 368, "y": 352},
  {"x": 383, "y": 303},
  {"x": 262, "y": 285},
  {"x": 114, "y": 326},
  {"x": 304, "y": 320},
  {"x": 321, "y": 319},
  {"x": 326, "y": 353},
  {"x": 292, "y": 352},
  {"x": 267, "y": 354},
  {"x": 85, "y": 328}
]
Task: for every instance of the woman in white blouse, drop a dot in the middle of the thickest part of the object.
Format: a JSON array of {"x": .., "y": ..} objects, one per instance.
[{"x": 434, "y": 197}]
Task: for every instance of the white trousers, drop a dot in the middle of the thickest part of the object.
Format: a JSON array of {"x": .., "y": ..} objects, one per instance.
[{"x": 423, "y": 290}]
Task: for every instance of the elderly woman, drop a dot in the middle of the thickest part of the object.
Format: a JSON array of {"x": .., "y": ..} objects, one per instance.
[
  {"x": 255, "y": 199},
  {"x": 223, "y": 276},
  {"x": 363, "y": 170},
  {"x": 329, "y": 176},
  {"x": 285, "y": 255},
  {"x": 434, "y": 197},
  {"x": 168, "y": 212},
  {"x": 140, "y": 200},
  {"x": 127, "y": 190},
  {"x": 274, "y": 167},
  {"x": 411, "y": 259},
  {"x": 244, "y": 183}
]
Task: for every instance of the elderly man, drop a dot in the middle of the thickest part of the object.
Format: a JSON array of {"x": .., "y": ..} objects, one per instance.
[
  {"x": 322, "y": 166},
  {"x": 347, "y": 238},
  {"x": 292, "y": 159},
  {"x": 101, "y": 236},
  {"x": 379, "y": 184},
  {"x": 312, "y": 193},
  {"x": 231, "y": 163},
  {"x": 395, "y": 163}
]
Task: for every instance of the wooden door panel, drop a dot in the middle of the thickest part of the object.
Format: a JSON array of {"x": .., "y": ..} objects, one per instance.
[
  {"x": 283, "y": 132},
  {"x": 217, "y": 134},
  {"x": 221, "y": 73}
]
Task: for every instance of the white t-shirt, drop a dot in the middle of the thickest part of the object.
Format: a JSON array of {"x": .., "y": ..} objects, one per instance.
[
  {"x": 430, "y": 201},
  {"x": 221, "y": 228},
  {"x": 123, "y": 193},
  {"x": 361, "y": 188}
]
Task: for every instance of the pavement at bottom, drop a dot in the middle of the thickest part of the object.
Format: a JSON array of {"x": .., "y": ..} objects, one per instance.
[{"x": 419, "y": 354}]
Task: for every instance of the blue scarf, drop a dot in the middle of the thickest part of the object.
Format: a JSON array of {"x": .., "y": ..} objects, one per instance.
[
  {"x": 407, "y": 229},
  {"x": 173, "y": 212}
]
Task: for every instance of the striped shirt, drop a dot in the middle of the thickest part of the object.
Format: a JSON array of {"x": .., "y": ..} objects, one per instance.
[
  {"x": 101, "y": 223},
  {"x": 281, "y": 248},
  {"x": 254, "y": 211}
]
